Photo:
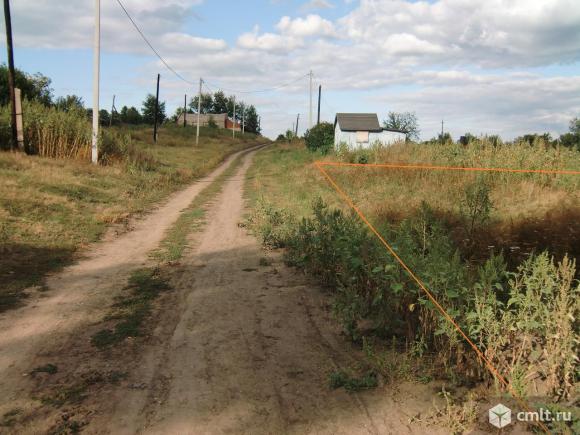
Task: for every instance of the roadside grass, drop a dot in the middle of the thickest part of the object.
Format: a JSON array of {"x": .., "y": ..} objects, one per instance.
[{"x": 51, "y": 208}]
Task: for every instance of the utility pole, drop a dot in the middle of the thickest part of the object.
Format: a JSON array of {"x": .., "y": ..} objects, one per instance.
[
  {"x": 319, "y": 97},
  {"x": 198, "y": 111},
  {"x": 10, "y": 73},
  {"x": 234, "y": 120},
  {"x": 441, "y": 132},
  {"x": 310, "y": 114},
  {"x": 96, "y": 82},
  {"x": 112, "y": 111},
  {"x": 259, "y": 123},
  {"x": 156, "y": 110},
  {"x": 297, "y": 121},
  {"x": 243, "y": 120},
  {"x": 185, "y": 111}
]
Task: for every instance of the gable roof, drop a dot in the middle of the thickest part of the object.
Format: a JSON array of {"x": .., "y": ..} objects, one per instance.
[{"x": 358, "y": 122}]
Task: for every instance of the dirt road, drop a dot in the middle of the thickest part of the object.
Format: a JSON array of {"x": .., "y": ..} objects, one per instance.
[
  {"x": 244, "y": 344},
  {"x": 251, "y": 350}
]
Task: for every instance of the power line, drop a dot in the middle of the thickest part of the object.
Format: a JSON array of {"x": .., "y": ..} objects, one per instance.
[
  {"x": 151, "y": 46},
  {"x": 255, "y": 91}
]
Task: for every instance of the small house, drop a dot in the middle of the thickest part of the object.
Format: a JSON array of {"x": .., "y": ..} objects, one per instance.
[{"x": 361, "y": 130}]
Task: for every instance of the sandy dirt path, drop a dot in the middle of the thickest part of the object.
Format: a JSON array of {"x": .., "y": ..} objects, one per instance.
[
  {"x": 247, "y": 349},
  {"x": 77, "y": 295}
]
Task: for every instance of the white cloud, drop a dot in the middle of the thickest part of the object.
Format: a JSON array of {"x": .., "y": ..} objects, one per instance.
[
  {"x": 312, "y": 25},
  {"x": 317, "y": 4}
]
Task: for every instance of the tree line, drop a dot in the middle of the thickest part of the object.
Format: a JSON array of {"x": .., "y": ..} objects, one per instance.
[{"x": 37, "y": 87}]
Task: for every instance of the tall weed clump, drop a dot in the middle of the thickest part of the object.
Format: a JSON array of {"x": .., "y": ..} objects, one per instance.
[{"x": 54, "y": 133}]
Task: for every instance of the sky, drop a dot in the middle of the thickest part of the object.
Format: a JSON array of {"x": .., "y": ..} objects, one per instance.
[{"x": 504, "y": 67}]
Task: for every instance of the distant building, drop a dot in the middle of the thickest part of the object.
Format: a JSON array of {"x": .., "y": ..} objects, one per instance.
[
  {"x": 361, "y": 130},
  {"x": 220, "y": 119}
]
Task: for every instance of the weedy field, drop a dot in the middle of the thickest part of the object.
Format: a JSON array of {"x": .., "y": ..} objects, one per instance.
[
  {"x": 498, "y": 250},
  {"x": 55, "y": 202}
]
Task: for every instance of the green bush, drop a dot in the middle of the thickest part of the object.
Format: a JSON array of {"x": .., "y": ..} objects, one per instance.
[{"x": 320, "y": 137}]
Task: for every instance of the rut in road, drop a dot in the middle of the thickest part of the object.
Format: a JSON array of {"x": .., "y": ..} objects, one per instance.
[{"x": 249, "y": 350}]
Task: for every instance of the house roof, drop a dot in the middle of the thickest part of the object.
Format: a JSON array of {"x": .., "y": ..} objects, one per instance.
[{"x": 358, "y": 122}]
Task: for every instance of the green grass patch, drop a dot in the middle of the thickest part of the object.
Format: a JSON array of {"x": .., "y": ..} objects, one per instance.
[
  {"x": 131, "y": 310},
  {"x": 340, "y": 379}
]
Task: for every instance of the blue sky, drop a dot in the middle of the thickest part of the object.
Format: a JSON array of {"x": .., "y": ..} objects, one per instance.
[{"x": 498, "y": 67}]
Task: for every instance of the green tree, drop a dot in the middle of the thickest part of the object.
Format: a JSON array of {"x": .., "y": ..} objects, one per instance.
[
  {"x": 130, "y": 115},
  {"x": 220, "y": 102},
  {"x": 206, "y": 103},
  {"x": 252, "y": 125},
  {"x": 104, "y": 117},
  {"x": 34, "y": 87},
  {"x": 320, "y": 137},
  {"x": 403, "y": 121},
  {"x": 572, "y": 138},
  {"x": 69, "y": 103},
  {"x": 148, "y": 110}
]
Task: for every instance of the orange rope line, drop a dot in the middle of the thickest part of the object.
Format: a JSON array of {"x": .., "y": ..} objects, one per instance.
[
  {"x": 480, "y": 354},
  {"x": 451, "y": 168}
]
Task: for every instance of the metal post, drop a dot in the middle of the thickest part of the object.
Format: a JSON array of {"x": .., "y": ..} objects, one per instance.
[
  {"x": 198, "y": 111},
  {"x": 156, "y": 110},
  {"x": 96, "y": 82}
]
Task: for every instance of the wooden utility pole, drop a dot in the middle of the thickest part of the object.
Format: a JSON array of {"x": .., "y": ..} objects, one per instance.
[
  {"x": 297, "y": 121},
  {"x": 243, "y": 119},
  {"x": 156, "y": 110},
  {"x": 198, "y": 111},
  {"x": 10, "y": 73},
  {"x": 96, "y": 82},
  {"x": 112, "y": 111},
  {"x": 185, "y": 111},
  {"x": 441, "y": 132},
  {"x": 319, "y": 97}
]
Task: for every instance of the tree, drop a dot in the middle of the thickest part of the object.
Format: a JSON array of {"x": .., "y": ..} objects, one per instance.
[
  {"x": 148, "y": 110},
  {"x": 230, "y": 105},
  {"x": 280, "y": 138},
  {"x": 403, "y": 121},
  {"x": 572, "y": 138},
  {"x": 252, "y": 125},
  {"x": 34, "y": 87},
  {"x": 320, "y": 137},
  {"x": 206, "y": 103},
  {"x": 69, "y": 103},
  {"x": 104, "y": 117},
  {"x": 130, "y": 115},
  {"x": 220, "y": 102}
]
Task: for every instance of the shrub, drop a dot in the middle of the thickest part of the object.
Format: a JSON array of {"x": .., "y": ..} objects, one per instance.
[{"x": 320, "y": 137}]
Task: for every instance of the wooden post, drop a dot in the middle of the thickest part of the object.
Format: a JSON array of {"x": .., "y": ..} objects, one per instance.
[
  {"x": 10, "y": 73},
  {"x": 112, "y": 111},
  {"x": 19, "y": 123},
  {"x": 156, "y": 110},
  {"x": 297, "y": 121},
  {"x": 185, "y": 111}
]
